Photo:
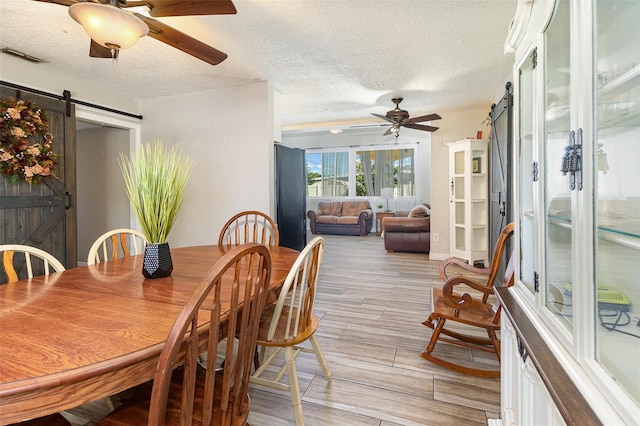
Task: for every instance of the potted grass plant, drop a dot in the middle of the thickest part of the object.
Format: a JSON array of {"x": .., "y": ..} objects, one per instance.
[{"x": 155, "y": 179}]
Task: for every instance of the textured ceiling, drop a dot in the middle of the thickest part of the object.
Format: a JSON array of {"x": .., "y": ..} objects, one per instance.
[{"x": 333, "y": 61}]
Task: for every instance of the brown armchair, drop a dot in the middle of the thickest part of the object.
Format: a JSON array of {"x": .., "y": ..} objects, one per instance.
[{"x": 408, "y": 231}]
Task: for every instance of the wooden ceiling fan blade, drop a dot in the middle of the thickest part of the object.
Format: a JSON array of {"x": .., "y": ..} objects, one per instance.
[
  {"x": 61, "y": 2},
  {"x": 428, "y": 117},
  {"x": 383, "y": 117},
  {"x": 357, "y": 126},
  {"x": 161, "y": 8},
  {"x": 181, "y": 41},
  {"x": 99, "y": 51},
  {"x": 421, "y": 127}
]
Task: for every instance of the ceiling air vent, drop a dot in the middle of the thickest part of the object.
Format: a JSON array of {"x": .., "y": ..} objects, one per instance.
[{"x": 20, "y": 55}]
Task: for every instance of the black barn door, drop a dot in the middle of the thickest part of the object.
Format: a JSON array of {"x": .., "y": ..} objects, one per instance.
[
  {"x": 44, "y": 214},
  {"x": 291, "y": 196},
  {"x": 500, "y": 179}
]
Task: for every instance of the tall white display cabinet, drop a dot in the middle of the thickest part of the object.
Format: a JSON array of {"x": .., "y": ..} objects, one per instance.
[
  {"x": 469, "y": 185},
  {"x": 571, "y": 329}
]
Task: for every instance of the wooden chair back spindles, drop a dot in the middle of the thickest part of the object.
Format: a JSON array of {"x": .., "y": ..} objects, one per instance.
[
  {"x": 449, "y": 305},
  {"x": 191, "y": 394},
  {"x": 12, "y": 265},
  {"x": 249, "y": 227},
  {"x": 290, "y": 322},
  {"x": 116, "y": 244}
]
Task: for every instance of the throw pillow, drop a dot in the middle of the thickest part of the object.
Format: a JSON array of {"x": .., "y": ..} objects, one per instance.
[
  {"x": 419, "y": 211},
  {"x": 350, "y": 208},
  {"x": 364, "y": 205},
  {"x": 325, "y": 208}
]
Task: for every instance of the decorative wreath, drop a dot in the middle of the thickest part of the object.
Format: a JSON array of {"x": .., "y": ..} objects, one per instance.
[{"x": 22, "y": 122}]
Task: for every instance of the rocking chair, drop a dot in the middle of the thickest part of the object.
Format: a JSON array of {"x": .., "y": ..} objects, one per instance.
[{"x": 449, "y": 306}]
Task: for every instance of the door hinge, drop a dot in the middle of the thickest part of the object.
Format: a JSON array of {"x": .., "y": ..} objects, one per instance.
[
  {"x": 522, "y": 350},
  {"x": 536, "y": 282},
  {"x": 534, "y": 58},
  {"x": 572, "y": 160},
  {"x": 534, "y": 171}
]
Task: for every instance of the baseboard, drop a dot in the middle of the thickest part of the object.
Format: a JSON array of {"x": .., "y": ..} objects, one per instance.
[{"x": 438, "y": 256}]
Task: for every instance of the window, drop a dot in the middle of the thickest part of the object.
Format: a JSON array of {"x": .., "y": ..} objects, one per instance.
[{"x": 328, "y": 172}]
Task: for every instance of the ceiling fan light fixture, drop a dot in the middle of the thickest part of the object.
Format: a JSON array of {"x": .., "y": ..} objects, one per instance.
[{"x": 109, "y": 25}]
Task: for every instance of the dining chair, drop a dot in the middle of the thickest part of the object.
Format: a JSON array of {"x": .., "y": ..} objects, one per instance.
[
  {"x": 13, "y": 266},
  {"x": 290, "y": 322},
  {"x": 115, "y": 244},
  {"x": 249, "y": 227},
  {"x": 448, "y": 307},
  {"x": 47, "y": 263},
  {"x": 210, "y": 395}
]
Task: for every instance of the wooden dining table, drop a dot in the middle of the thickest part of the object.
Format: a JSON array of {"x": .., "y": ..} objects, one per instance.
[{"x": 89, "y": 332}]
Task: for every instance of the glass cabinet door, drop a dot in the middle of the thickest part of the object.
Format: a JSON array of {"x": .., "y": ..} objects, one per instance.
[
  {"x": 558, "y": 256},
  {"x": 616, "y": 166},
  {"x": 527, "y": 171}
]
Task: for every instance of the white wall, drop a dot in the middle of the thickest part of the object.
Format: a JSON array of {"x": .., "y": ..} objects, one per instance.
[
  {"x": 455, "y": 125},
  {"x": 19, "y": 71},
  {"x": 229, "y": 133},
  {"x": 102, "y": 200}
]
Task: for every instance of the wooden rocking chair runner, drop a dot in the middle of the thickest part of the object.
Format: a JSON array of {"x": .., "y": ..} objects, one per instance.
[{"x": 463, "y": 308}]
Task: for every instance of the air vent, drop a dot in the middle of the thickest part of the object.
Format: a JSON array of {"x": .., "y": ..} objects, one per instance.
[{"x": 20, "y": 55}]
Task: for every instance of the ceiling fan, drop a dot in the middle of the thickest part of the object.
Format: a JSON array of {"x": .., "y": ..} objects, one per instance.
[
  {"x": 400, "y": 118},
  {"x": 113, "y": 12}
]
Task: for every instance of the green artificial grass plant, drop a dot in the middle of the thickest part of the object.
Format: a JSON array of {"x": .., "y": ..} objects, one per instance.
[{"x": 155, "y": 178}]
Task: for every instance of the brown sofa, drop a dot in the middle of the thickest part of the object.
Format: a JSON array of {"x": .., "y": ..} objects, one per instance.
[
  {"x": 341, "y": 218},
  {"x": 408, "y": 231}
]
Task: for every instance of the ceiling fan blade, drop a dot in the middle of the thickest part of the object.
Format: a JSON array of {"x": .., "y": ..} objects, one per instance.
[
  {"x": 421, "y": 127},
  {"x": 98, "y": 51},
  {"x": 356, "y": 126},
  {"x": 383, "y": 117},
  {"x": 161, "y": 8},
  {"x": 181, "y": 41},
  {"x": 428, "y": 117},
  {"x": 62, "y": 2}
]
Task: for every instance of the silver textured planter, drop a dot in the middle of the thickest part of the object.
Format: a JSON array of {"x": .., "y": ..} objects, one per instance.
[{"x": 157, "y": 261}]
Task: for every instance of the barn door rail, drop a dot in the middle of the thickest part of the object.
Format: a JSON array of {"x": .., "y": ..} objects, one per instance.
[{"x": 66, "y": 96}]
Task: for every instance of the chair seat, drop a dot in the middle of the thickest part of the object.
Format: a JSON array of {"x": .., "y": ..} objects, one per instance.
[
  {"x": 280, "y": 338},
  {"x": 477, "y": 314},
  {"x": 136, "y": 410}
]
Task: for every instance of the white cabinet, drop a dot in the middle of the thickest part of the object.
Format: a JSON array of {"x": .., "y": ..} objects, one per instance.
[
  {"x": 577, "y": 157},
  {"x": 469, "y": 183}
]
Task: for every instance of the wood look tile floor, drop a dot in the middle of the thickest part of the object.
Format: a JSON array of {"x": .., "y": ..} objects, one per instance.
[{"x": 372, "y": 304}]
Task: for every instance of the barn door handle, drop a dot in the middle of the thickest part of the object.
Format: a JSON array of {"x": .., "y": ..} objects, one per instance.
[{"x": 67, "y": 200}]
